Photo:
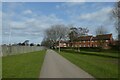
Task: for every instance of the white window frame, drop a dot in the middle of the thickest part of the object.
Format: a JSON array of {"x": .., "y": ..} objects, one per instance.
[
  {"x": 64, "y": 44},
  {"x": 96, "y": 45},
  {"x": 84, "y": 46},
  {"x": 106, "y": 40}
]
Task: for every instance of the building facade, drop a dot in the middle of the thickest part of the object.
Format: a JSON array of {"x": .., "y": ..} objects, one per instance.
[{"x": 89, "y": 41}]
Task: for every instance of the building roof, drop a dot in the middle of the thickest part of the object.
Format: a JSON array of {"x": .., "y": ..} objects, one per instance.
[
  {"x": 84, "y": 38},
  {"x": 88, "y": 38},
  {"x": 103, "y": 37},
  {"x": 61, "y": 41}
]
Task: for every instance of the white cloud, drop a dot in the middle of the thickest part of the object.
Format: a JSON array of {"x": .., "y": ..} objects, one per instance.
[
  {"x": 95, "y": 19},
  {"x": 33, "y": 26},
  {"x": 101, "y": 15},
  {"x": 28, "y": 27},
  {"x": 27, "y": 12},
  {"x": 17, "y": 25}
]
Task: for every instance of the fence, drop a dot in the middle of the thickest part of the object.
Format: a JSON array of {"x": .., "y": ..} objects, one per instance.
[{"x": 12, "y": 50}]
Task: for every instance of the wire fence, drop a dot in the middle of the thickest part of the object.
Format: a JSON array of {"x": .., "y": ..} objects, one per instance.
[{"x": 13, "y": 50}]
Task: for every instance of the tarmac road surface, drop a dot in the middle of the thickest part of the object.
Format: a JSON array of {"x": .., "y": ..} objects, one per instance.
[{"x": 56, "y": 66}]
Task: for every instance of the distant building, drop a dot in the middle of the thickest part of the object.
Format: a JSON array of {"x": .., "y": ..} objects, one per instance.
[
  {"x": 83, "y": 41},
  {"x": 102, "y": 40},
  {"x": 63, "y": 44},
  {"x": 89, "y": 41}
]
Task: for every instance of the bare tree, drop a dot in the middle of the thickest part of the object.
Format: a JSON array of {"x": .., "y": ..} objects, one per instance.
[
  {"x": 55, "y": 33},
  {"x": 101, "y": 30},
  {"x": 75, "y": 33},
  {"x": 82, "y": 31},
  {"x": 46, "y": 42},
  {"x": 116, "y": 15}
]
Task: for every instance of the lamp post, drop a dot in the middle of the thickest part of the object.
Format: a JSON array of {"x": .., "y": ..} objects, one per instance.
[
  {"x": 10, "y": 35},
  {"x": 59, "y": 43},
  {"x": 59, "y": 46}
]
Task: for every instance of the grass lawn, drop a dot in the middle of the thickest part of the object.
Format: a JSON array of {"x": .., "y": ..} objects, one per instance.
[
  {"x": 98, "y": 64},
  {"x": 26, "y": 65}
]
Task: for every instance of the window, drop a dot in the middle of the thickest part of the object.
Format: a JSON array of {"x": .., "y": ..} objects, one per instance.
[
  {"x": 92, "y": 41},
  {"x": 88, "y": 45},
  {"x": 64, "y": 44},
  {"x": 84, "y": 45},
  {"x": 84, "y": 41},
  {"x": 106, "y": 40},
  {"x": 80, "y": 45}
]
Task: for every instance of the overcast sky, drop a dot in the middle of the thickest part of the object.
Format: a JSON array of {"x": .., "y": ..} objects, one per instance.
[{"x": 28, "y": 20}]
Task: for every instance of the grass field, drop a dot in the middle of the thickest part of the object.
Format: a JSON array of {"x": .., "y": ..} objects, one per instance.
[
  {"x": 98, "y": 64},
  {"x": 23, "y": 66}
]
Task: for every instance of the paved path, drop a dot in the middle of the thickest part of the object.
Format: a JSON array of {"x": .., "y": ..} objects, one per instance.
[{"x": 55, "y": 66}]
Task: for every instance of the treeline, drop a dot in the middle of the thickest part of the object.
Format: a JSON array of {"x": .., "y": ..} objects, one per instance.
[
  {"x": 60, "y": 32},
  {"x": 25, "y": 43}
]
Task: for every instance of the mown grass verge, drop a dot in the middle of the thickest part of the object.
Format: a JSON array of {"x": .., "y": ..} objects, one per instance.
[
  {"x": 98, "y": 64},
  {"x": 26, "y": 65}
]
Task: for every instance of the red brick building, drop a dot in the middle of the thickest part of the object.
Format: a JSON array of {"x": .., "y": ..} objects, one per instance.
[
  {"x": 102, "y": 41},
  {"x": 83, "y": 41},
  {"x": 89, "y": 41},
  {"x": 63, "y": 44}
]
